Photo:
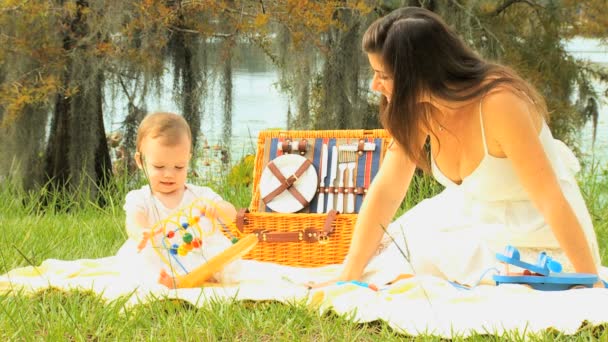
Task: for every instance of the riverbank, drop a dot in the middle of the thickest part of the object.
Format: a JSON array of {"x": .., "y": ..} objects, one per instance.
[{"x": 259, "y": 105}]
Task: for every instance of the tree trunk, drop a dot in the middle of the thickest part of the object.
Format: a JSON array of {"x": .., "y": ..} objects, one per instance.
[
  {"x": 226, "y": 90},
  {"x": 187, "y": 79},
  {"x": 21, "y": 145},
  {"x": 77, "y": 155},
  {"x": 190, "y": 104},
  {"x": 341, "y": 75},
  {"x": 57, "y": 167},
  {"x": 103, "y": 163}
]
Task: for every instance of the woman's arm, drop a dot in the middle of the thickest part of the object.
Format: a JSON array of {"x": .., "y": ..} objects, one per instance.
[
  {"x": 510, "y": 124},
  {"x": 383, "y": 198}
]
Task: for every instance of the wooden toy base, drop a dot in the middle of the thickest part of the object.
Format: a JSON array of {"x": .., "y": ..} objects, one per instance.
[{"x": 201, "y": 275}]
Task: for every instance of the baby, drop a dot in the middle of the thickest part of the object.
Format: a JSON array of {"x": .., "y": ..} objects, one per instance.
[{"x": 163, "y": 153}]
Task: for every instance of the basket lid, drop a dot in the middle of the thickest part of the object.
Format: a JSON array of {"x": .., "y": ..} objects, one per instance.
[{"x": 297, "y": 190}]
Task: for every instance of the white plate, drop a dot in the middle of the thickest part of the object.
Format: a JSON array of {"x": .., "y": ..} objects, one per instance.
[{"x": 306, "y": 184}]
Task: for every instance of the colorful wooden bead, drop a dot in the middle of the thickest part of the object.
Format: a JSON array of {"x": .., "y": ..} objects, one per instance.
[
  {"x": 187, "y": 238},
  {"x": 194, "y": 220}
]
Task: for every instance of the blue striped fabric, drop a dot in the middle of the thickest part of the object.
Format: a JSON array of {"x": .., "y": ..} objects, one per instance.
[{"x": 360, "y": 180}]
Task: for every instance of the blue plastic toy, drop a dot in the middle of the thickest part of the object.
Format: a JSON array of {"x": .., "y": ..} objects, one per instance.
[
  {"x": 545, "y": 275},
  {"x": 359, "y": 283}
]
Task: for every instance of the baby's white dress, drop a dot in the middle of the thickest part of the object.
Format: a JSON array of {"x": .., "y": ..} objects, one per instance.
[
  {"x": 147, "y": 264},
  {"x": 457, "y": 233}
]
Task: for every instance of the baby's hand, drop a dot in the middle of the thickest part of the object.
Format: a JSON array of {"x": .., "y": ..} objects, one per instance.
[
  {"x": 209, "y": 209},
  {"x": 145, "y": 237}
]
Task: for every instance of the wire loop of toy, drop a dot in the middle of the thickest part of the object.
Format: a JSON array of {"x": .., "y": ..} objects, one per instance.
[{"x": 181, "y": 234}]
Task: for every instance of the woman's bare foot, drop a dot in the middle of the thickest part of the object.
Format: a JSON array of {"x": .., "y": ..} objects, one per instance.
[{"x": 167, "y": 280}]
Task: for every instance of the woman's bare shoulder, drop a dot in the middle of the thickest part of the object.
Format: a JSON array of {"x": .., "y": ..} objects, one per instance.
[
  {"x": 504, "y": 102},
  {"x": 507, "y": 114},
  {"x": 504, "y": 95}
]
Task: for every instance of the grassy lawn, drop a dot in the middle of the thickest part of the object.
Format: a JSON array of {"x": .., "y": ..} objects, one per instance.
[{"x": 30, "y": 236}]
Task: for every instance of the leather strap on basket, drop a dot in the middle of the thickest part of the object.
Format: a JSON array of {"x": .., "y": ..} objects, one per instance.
[
  {"x": 286, "y": 146},
  {"x": 241, "y": 219},
  {"x": 303, "y": 146},
  {"x": 287, "y": 183},
  {"x": 306, "y": 235}
]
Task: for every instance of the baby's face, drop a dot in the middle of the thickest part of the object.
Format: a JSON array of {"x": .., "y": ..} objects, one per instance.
[{"x": 166, "y": 165}]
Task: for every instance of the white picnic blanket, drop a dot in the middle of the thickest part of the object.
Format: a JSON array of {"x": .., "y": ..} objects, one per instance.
[{"x": 416, "y": 305}]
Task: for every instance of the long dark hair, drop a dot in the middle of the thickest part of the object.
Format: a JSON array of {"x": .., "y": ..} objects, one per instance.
[{"x": 425, "y": 56}]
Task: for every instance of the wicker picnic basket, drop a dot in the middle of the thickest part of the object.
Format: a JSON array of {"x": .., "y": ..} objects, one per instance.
[{"x": 307, "y": 238}]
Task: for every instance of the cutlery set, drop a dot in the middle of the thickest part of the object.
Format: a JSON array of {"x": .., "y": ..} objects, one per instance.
[
  {"x": 340, "y": 187},
  {"x": 342, "y": 168},
  {"x": 342, "y": 182}
]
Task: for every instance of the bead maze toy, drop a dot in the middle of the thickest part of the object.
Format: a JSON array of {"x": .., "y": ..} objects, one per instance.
[
  {"x": 545, "y": 275},
  {"x": 193, "y": 246}
]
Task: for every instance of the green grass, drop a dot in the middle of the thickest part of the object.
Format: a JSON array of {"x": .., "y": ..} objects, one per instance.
[{"x": 32, "y": 233}]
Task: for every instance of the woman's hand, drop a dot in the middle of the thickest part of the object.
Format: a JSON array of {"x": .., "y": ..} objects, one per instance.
[
  {"x": 341, "y": 278},
  {"x": 599, "y": 285},
  {"x": 312, "y": 285},
  {"x": 353, "y": 282}
]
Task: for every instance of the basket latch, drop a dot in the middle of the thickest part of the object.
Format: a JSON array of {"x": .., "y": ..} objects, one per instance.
[{"x": 241, "y": 219}]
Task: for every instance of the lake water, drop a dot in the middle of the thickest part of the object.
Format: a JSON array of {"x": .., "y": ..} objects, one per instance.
[
  {"x": 594, "y": 51},
  {"x": 258, "y": 105}
]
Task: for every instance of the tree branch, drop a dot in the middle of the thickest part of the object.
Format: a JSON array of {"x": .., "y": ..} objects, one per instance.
[
  {"x": 216, "y": 34},
  {"x": 508, "y": 4},
  {"x": 489, "y": 32},
  {"x": 14, "y": 8},
  {"x": 124, "y": 88}
]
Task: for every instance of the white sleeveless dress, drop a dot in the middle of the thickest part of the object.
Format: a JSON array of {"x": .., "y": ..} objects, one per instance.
[{"x": 457, "y": 233}]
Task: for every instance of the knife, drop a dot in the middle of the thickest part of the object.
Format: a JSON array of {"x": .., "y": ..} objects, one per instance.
[
  {"x": 341, "y": 183},
  {"x": 332, "y": 177},
  {"x": 324, "y": 161}
]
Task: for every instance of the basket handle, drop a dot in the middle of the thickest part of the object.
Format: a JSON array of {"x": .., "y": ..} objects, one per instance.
[{"x": 307, "y": 235}]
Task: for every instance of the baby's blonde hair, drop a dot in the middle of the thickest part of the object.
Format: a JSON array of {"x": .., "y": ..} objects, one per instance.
[{"x": 169, "y": 126}]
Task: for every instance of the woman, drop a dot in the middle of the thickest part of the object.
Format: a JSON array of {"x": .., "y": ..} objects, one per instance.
[{"x": 507, "y": 180}]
